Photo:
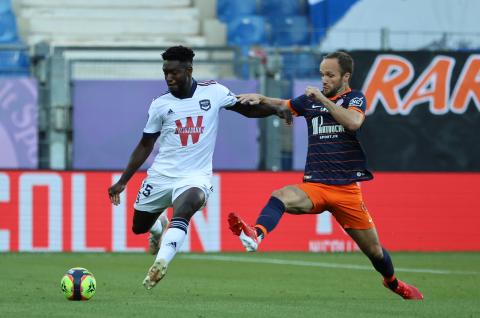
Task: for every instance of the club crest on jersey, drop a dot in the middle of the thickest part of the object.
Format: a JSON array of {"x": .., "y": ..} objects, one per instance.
[
  {"x": 356, "y": 101},
  {"x": 205, "y": 104}
]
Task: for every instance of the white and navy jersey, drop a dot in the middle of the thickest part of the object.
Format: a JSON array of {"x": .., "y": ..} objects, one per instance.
[
  {"x": 188, "y": 129},
  {"x": 335, "y": 155}
]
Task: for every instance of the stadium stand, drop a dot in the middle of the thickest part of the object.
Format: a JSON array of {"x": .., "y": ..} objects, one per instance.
[
  {"x": 270, "y": 23},
  {"x": 8, "y": 27},
  {"x": 290, "y": 30},
  {"x": 118, "y": 24},
  {"x": 14, "y": 63},
  {"x": 247, "y": 30},
  {"x": 299, "y": 65},
  {"x": 324, "y": 14},
  {"x": 5, "y": 5},
  {"x": 273, "y": 9},
  {"x": 228, "y": 10},
  {"x": 278, "y": 23},
  {"x": 243, "y": 32},
  {"x": 109, "y": 22},
  {"x": 433, "y": 25},
  {"x": 14, "y": 60}
]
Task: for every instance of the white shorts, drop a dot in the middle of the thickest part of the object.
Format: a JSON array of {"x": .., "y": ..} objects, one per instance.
[{"x": 158, "y": 194}]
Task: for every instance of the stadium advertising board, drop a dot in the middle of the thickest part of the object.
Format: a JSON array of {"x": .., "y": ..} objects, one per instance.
[
  {"x": 106, "y": 111},
  {"x": 422, "y": 109},
  {"x": 18, "y": 123},
  {"x": 70, "y": 211}
]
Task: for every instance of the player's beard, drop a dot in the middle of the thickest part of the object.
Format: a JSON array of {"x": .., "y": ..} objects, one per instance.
[
  {"x": 179, "y": 89},
  {"x": 332, "y": 91}
]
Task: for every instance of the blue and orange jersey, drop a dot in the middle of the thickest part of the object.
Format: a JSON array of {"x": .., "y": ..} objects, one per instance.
[{"x": 335, "y": 155}]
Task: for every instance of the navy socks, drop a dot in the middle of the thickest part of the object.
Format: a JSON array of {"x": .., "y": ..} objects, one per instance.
[
  {"x": 270, "y": 216},
  {"x": 385, "y": 267}
]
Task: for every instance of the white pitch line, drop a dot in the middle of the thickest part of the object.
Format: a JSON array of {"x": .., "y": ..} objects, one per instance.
[{"x": 277, "y": 261}]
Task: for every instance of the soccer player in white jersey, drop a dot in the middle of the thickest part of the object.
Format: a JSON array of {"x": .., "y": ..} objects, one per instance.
[{"x": 186, "y": 120}]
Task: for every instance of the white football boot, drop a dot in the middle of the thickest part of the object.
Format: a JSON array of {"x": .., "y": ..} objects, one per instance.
[{"x": 155, "y": 274}]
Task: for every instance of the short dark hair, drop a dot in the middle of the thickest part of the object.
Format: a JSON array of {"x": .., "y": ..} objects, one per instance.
[
  {"x": 344, "y": 60},
  {"x": 178, "y": 53}
]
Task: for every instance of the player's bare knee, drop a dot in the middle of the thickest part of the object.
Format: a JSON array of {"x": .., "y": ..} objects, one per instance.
[
  {"x": 288, "y": 195},
  {"x": 278, "y": 194}
]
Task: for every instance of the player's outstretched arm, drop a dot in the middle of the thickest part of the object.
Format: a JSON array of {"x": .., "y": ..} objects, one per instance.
[
  {"x": 259, "y": 106},
  {"x": 137, "y": 158}
]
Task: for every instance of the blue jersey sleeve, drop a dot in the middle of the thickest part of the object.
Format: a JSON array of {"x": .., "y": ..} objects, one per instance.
[
  {"x": 299, "y": 104},
  {"x": 358, "y": 100}
]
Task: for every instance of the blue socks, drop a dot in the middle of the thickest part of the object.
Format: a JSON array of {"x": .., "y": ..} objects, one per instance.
[
  {"x": 270, "y": 216},
  {"x": 385, "y": 267}
]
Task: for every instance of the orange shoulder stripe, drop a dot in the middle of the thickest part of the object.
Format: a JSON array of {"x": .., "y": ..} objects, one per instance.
[
  {"x": 289, "y": 104},
  {"x": 356, "y": 109}
]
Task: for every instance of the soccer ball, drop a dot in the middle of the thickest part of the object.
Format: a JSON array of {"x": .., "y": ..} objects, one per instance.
[{"x": 78, "y": 284}]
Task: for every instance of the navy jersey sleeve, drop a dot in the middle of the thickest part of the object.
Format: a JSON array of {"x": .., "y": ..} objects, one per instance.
[
  {"x": 299, "y": 104},
  {"x": 357, "y": 99}
]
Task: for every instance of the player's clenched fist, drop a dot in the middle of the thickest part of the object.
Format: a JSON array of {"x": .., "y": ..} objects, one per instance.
[{"x": 314, "y": 93}]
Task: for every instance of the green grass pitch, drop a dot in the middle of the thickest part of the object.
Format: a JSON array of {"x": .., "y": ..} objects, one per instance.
[{"x": 241, "y": 285}]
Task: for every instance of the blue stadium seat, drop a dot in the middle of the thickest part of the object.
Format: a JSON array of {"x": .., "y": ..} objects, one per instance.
[
  {"x": 324, "y": 14},
  {"x": 300, "y": 65},
  {"x": 14, "y": 63},
  {"x": 8, "y": 27},
  {"x": 281, "y": 8},
  {"x": 247, "y": 30},
  {"x": 294, "y": 30},
  {"x": 5, "y": 5},
  {"x": 227, "y": 10}
]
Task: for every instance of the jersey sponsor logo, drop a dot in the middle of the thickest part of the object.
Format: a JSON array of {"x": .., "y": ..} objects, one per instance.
[
  {"x": 319, "y": 129},
  {"x": 170, "y": 112},
  {"x": 190, "y": 129},
  {"x": 205, "y": 104},
  {"x": 356, "y": 101}
]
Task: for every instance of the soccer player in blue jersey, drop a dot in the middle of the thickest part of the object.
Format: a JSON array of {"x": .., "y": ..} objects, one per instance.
[{"x": 334, "y": 166}]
